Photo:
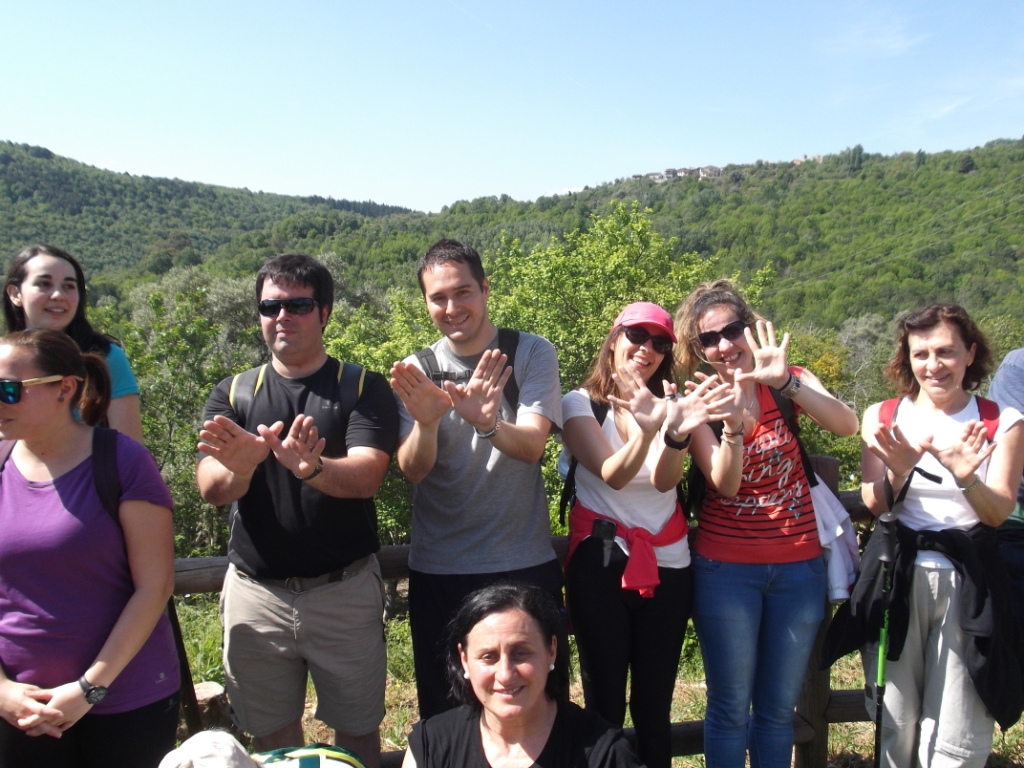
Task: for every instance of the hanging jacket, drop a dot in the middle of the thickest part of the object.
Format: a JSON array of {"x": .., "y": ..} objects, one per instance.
[{"x": 993, "y": 651}]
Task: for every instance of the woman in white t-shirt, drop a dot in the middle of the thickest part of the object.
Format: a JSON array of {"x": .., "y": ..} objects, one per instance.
[
  {"x": 628, "y": 582},
  {"x": 933, "y": 710}
]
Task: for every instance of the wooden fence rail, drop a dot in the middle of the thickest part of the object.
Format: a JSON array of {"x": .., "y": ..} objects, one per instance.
[{"x": 818, "y": 705}]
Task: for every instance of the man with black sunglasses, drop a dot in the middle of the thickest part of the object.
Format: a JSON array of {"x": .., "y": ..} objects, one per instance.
[
  {"x": 474, "y": 423},
  {"x": 298, "y": 448}
]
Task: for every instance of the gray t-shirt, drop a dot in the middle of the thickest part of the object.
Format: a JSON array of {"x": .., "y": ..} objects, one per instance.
[
  {"x": 478, "y": 510},
  {"x": 1007, "y": 389}
]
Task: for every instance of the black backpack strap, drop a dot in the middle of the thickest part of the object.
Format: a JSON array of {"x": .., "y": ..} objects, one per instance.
[
  {"x": 569, "y": 486},
  {"x": 104, "y": 470},
  {"x": 508, "y": 343},
  {"x": 785, "y": 406},
  {"x": 243, "y": 390},
  {"x": 350, "y": 386}
]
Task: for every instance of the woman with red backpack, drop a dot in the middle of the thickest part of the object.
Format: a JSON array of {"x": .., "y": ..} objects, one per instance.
[{"x": 949, "y": 462}]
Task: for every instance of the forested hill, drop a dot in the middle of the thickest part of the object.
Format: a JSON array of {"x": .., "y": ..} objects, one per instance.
[
  {"x": 116, "y": 221},
  {"x": 853, "y": 234}
]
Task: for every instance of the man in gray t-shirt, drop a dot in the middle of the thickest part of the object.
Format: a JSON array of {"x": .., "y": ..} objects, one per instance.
[{"x": 480, "y": 513}]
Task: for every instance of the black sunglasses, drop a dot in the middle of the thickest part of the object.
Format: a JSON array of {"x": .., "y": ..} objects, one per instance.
[
  {"x": 638, "y": 335},
  {"x": 300, "y": 306},
  {"x": 10, "y": 390},
  {"x": 731, "y": 332}
]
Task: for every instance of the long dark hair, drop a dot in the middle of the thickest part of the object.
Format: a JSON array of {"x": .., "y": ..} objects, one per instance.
[
  {"x": 86, "y": 337},
  {"x": 55, "y": 354},
  {"x": 498, "y": 598},
  {"x": 899, "y": 370}
]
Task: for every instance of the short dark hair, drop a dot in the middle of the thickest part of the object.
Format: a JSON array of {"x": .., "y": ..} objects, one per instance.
[
  {"x": 899, "y": 370},
  {"x": 446, "y": 251},
  {"x": 298, "y": 269},
  {"x": 55, "y": 353},
  {"x": 79, "y": 329},
  {"x": 498, "y": 598}
]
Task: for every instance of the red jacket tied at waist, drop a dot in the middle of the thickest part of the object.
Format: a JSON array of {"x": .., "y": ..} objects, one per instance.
[{"x": 642, "y": 567}]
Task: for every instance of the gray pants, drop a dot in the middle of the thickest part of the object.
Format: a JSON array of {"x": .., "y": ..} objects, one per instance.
[{"x": 933, "y": 717}]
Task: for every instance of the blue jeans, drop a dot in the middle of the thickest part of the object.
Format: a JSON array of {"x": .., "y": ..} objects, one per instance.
[{"x": 756, "y": 625}]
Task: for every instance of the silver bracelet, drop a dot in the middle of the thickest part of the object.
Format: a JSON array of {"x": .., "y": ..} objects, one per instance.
[{"x": 492, "y": 433}]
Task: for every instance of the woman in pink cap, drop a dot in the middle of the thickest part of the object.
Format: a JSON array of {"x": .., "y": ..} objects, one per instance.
[{"x": 628, "y": 581}]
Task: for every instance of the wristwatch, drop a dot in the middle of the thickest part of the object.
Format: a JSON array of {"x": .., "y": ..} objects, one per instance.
[
  {"x": 316, "y": 471},
  {"x": 94, "y": 694}
]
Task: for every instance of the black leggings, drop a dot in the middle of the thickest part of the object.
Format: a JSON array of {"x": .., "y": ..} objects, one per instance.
[
  {"x": 138, "y": 738},
  {"x": 618, "y": 631}
]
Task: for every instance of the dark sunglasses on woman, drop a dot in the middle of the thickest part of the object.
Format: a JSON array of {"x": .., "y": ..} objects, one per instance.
[
  {"x": 10, "y": 390},
  {"x": 300, "y": 306},
  {"x": 638, "y": 335},
  {"x": 731, "y": 332}
]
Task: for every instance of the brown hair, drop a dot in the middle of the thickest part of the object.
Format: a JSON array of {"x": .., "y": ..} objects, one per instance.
[
  {"x": 599, "y": 382},
  {"x": 706, "y": 296},
  {"x": 899, "y": 370},
  {"x": 55, "y": 353}
]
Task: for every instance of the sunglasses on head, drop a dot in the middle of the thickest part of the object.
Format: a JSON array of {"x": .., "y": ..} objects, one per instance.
[
  {"x": 731, "y": 332},
  {"x": 10, "y": 390},
  {"x": 637, "y": 334},
  {"x": 300, "y": 306}
]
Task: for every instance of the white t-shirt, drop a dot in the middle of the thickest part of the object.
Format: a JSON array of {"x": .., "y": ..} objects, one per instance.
[
  {"x": 939, "y": 506},
  {"x": 639, "y": 504}
]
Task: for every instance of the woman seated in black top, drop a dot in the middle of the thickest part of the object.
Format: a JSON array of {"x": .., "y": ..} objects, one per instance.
[{"x": 515, "y": 713}]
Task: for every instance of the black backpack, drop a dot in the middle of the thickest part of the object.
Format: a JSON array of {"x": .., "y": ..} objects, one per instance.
[
  {"x": 696, "y": 484},
  {"x": 508, "y": 343}
]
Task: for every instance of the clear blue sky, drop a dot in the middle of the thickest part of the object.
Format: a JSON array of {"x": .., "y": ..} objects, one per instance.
[{"x": 424, "y": 103}]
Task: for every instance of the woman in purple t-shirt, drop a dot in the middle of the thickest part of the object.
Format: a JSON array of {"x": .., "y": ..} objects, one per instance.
[{"x": 88, "y": 672}]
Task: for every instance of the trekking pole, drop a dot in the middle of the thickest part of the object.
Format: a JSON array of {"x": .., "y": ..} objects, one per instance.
[{"x": 887, "y": 530}]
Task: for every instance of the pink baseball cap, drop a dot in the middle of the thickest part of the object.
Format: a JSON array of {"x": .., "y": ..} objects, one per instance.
[{"x": 650, "y": 316}]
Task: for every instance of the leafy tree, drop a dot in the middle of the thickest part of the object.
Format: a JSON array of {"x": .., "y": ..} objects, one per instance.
[{"x": 966, "y": 164}]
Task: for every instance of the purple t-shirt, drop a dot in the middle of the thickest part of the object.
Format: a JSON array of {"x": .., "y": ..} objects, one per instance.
[{"x": 64, "y": 580}]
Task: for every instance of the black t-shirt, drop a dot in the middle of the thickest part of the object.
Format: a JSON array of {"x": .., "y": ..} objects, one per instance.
[
  {"x": 579, "y": 739},
  {"x": 283, "y": 527}
]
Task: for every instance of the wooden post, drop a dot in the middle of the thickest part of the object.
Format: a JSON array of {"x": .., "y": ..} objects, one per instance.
[{"x": 815, "y": 695}]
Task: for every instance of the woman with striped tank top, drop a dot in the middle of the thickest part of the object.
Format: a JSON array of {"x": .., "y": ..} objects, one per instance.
[{"x": 759, "y": 573}]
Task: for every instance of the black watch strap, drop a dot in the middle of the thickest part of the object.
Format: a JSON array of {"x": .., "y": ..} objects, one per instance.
[{"x": 94, "y": 694}]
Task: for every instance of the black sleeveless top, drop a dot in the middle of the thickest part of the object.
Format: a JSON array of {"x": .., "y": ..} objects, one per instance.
[{"x": 579, "y": 739}]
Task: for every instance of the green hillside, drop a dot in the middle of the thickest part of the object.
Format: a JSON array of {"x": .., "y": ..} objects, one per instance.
[
  {"x": 118, "y": 221},
  {"x": 853, "y": 234}
]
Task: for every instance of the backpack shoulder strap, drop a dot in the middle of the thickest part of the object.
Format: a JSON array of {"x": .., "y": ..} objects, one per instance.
[
  {"x": 508, "y": 343},
  {"x": 569, "y": 486},
  {"x": 428, "y": 362},
  {"x": 350, "y": 385},
  {"x": 989, "y": 412},
  {"x": 104, "y": 470},
  {"x": 788, "y": 411},
  {"x": 243, "y": 389}
]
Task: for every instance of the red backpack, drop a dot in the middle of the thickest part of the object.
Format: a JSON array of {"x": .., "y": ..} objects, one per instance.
[{"x": 987, "y": 409}]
